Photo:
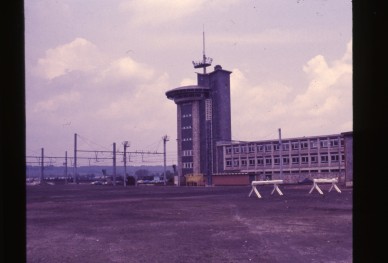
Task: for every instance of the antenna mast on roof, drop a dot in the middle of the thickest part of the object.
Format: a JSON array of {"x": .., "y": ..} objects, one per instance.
[{"x": 206, "y": 61}]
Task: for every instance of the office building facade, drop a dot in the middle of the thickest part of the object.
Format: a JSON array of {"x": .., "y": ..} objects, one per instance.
[{"x": 293, "y": 160}]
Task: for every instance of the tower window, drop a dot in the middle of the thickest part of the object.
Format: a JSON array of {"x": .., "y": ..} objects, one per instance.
[
  {"x": 188, "y": 165},
  {"x": 188, "y": 153},
  {"x": 208, "y": 109}
]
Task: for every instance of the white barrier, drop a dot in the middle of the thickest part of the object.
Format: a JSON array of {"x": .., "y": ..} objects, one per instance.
[
  {"x": 325, "y": 181},
  {"x": 274, "y": 182}
]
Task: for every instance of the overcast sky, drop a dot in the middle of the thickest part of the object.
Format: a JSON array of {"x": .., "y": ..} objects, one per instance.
[{"x": 100, "y": 68}]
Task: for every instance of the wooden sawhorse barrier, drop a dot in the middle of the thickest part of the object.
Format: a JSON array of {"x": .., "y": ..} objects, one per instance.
[
  {"x": 274, "y": 182},
  {"x": 325, "y": 181}
]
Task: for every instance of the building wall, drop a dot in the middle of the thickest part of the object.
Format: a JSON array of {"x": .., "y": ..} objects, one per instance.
[
  {"x": 179, "y": 144},
  {"x": 230, "y": 180},
  {"x": 220, "y": 93},
  {"x": 307, "y": 157},
  {"x": 348, "y": 139}
]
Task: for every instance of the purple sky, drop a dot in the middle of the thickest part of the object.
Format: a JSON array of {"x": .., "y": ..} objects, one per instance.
[{"x": 101, "y": 69}]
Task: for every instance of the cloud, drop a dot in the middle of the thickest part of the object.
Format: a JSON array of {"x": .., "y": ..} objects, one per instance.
[
  {"x": 118, "y": 96},
  {"x": 271, "y": 36},
  {"x": 325, "y": 103},
  {"x": 328, "y": 83},
  {"x": 80, "y": 54},
  {"x": 187, "y": 81},
  {"x": 154, "y": 12},
  {"x": 54, "y": 103},
  {"x": 126, "y": 68}
]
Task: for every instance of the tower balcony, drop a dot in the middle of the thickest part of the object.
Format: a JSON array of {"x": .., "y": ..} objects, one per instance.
[{"x": 188, "y": 93}]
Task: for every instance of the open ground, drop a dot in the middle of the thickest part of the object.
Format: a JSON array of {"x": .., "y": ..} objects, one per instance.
[{"x": 101, "y": 224}]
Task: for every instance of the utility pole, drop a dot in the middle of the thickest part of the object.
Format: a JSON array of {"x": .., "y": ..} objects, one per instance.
[
  {"x": 42, "y": 166},
  {"x": 281, "y": 156},
  {"x": 66, "y": 167},
  {"x": 75, "y": 158},
  {"x": 165, "y": 140},
  {"x": 114, "y": 164},
  {"x": 125, "y": 143}
]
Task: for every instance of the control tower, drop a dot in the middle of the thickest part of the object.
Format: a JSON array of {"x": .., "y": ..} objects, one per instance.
[{"x": 203, "y": 118}]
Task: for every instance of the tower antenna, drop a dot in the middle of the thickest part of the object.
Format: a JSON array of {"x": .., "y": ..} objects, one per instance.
[
  {"x": 203, "y": 40},
  {"x": 206, "y": 61}
]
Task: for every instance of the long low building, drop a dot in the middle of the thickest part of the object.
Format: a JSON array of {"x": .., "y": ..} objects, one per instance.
[{"x": 293, "y": 159}]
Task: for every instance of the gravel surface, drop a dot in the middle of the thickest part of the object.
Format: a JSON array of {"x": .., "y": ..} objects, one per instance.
[{"x": 100, "y": 224}]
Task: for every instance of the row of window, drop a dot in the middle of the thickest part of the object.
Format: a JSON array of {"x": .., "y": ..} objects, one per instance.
[
  {"x": 188, "y": 165},
  {"x": 286, "y": 160},
  {"x": 188, "y": 153},
  {"x": 285, "y": 146},
  {"x": 301, "y": 171},
  {"x": 187, "y": 139},
  {"x": 186, "y": 115},
  {"x": 186, "y": 127}
]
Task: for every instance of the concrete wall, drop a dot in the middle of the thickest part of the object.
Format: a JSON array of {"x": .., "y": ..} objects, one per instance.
[{"x": 230, "y": 180}]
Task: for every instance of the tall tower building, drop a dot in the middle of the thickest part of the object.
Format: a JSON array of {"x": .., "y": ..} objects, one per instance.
[{"x": 203, "y": 118}]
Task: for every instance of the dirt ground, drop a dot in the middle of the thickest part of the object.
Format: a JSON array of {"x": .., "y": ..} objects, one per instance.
[{"x": 101, "y": 224}]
